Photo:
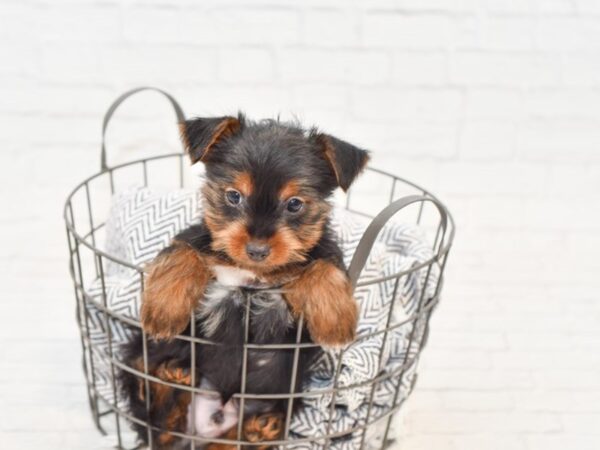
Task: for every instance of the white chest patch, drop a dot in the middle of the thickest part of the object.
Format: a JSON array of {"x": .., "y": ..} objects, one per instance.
[{"x": 233, "y": 276}]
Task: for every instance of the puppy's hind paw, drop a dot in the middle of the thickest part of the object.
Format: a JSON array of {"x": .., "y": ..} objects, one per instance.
[{"x": 264, "y": 428}]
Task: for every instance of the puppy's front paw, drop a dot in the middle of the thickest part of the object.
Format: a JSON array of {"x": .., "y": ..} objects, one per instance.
[
  {"x": 158, "y": 320},
  {"x": 324, "y": 294},
  {"x": 176, "y": 280}
]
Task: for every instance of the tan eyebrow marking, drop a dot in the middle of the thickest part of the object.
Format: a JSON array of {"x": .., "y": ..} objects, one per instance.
[
  {"x": 243, "y": 183},
  {"x": 290, "y": 189}
]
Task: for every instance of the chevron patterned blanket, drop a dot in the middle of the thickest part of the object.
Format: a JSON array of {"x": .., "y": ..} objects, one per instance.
[{"x": 142, "y": 221}]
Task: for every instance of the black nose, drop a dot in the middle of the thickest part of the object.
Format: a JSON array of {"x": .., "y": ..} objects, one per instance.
[{"x": 257, "y": 252}]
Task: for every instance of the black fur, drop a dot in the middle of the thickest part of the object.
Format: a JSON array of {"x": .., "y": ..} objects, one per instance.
[
  {"x": 276, "y": 152},
  {"x": 199, "y": 133}
]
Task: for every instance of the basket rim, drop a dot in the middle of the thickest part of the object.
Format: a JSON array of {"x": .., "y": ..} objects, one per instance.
[{"x": 446, "y": 217}]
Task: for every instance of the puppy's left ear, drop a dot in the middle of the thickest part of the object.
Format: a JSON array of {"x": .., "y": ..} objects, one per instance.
[
  {"x": 345, "y": 159},
  {"x": 202, "y": 134}
]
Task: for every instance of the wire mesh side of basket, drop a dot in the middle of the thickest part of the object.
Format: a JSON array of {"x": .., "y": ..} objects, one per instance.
[{"x": 85, "y": 226}]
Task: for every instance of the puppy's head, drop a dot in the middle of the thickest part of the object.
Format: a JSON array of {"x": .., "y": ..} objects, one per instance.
[{"x": 267, "y": 185}]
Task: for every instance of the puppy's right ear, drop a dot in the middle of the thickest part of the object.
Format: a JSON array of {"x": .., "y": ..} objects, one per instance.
[{"x": 201, "y": 134}]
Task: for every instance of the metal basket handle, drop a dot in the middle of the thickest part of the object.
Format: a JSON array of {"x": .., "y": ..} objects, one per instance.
[
  {"x": 113, "y": 107},
  {"x": 370, "y": 235}
]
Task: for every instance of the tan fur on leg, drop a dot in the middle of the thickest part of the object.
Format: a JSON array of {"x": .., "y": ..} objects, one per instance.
[
  {"x": 176, "y": 419},
  {"x": 176, "y": 280},
  {"x": 324, "y": 294}
]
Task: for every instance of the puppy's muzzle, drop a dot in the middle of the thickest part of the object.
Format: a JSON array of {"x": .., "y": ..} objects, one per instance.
[{"x": 257, "y": 251}]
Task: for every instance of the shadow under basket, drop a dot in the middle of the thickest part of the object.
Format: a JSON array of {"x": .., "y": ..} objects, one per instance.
[{"x": 395, "y": 235}]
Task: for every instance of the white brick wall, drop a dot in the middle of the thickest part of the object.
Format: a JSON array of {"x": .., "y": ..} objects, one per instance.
[{"x": 494, "y": 105}]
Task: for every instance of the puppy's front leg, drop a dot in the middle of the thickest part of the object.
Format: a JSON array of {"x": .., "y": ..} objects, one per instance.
[
  {"x": 324, "y": 294},
  {"x": 175, "y": 282}
]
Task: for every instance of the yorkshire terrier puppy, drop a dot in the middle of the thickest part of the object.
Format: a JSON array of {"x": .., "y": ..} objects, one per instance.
[{"x": 263, "y": 246}]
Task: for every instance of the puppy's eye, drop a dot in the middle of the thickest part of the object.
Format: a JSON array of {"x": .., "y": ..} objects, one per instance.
[
  {"x": 234, "y": 198},
  {"x": 294, "y": 205}
]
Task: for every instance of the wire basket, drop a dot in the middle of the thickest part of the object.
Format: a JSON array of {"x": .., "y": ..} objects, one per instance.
[{"x": 378, "y": 196}]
